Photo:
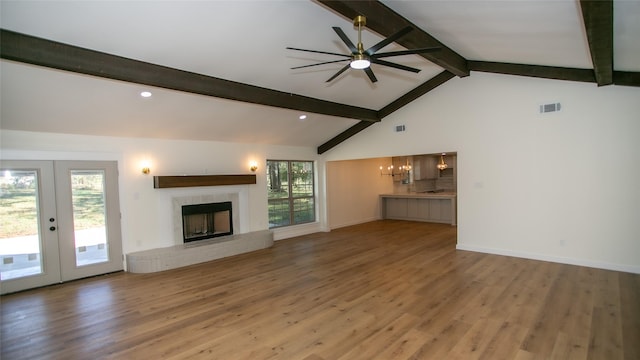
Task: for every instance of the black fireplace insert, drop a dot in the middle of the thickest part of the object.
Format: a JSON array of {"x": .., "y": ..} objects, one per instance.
[{"x": 205, "y": 221}]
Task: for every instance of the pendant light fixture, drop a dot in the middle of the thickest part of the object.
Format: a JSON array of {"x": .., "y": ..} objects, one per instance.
[{"x": 442, "y": 165}]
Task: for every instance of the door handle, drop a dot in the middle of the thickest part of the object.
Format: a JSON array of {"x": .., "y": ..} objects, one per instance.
[{"x": 53, "y": 228}]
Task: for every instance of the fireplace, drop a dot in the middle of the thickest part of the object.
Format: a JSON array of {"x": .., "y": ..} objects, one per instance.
[{"x": 205, "y": 221}]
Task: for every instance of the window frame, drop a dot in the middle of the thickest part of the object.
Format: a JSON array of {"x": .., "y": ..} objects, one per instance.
[{"x": 290, "y": 198}]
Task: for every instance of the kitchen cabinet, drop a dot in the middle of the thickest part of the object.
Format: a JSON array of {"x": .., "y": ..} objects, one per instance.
[
  {"x": 396, "y": 208},
  {"x": 430, "y": 167},
  {"x": 425, "y": 167},
  {"x": 440, "y": 208}
]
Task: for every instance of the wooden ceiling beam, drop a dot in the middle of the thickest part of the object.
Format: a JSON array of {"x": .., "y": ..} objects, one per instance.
[
  {"x": 387, "y": 110},
  {"x": 37, "y": 51},
  {"x": 343, "y": 136},
  {"x": 626, "y": 78},
  {"x": 416, "y": 93},
  {"x": 386, "y": 22},
  {"x": 598, "y": 23},
  {"x": 545, "y": 72}
]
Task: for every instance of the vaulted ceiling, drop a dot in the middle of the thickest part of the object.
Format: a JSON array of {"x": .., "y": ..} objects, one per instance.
[{"x": 220, "y": 70}]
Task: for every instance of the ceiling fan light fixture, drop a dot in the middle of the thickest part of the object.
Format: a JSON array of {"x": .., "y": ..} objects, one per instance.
[{"x": 360, "y": 61}]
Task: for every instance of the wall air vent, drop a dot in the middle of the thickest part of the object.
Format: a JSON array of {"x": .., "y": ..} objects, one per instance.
[
  {"x": 545, "y": 108},
  {"x": 400, "y": 128}
]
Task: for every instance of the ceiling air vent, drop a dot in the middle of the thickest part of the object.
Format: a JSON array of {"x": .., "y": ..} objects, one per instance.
[
  {"x": 400, "y": 128},
  {"x": 545, "y": 108}
]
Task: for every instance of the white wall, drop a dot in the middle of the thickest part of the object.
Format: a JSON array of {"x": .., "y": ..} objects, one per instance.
[
  {"x": 352, "y": 191},
  {"x": 147, "y": 220},
  {"x": 559, "y": 186}
]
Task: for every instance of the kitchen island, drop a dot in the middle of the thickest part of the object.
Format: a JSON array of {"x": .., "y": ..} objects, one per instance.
[{"x": 437, "y": 207}]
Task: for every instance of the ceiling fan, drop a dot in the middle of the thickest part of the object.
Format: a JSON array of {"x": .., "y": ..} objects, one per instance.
[{"x": 360, "y": 58}]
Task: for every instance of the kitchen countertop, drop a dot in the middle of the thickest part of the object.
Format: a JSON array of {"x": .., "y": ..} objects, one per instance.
[
  {"x": 421, "y": 195},
  {"x": 439, "y": 207}
]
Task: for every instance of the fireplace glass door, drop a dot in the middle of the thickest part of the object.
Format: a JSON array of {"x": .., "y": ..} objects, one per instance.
[{"x": 204, "y": 221}]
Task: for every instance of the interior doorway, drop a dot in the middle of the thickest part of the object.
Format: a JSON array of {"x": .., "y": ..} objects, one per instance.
[{"x": 60, "y": 221}]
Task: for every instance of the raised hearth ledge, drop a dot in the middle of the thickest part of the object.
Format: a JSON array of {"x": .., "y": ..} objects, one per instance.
[
  {"x": 162, "y": 182},
  {"x": 173, "y": 257}
]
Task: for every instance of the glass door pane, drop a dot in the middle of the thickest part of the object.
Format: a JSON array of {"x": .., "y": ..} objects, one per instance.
[
  {"x": 89, "y": 216},
  {"x": 20, "y": 243},
  {"x": 28, "y": 225},
  {"x": 59, "y": 221}
]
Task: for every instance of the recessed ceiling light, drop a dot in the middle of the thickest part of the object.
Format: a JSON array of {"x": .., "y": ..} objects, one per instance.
[
  {"x": 302, "y": 117},
  {"x": 145, "y": 94}
]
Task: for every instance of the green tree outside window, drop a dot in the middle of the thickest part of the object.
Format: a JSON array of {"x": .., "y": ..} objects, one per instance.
[{"x": 291, "y": 192}]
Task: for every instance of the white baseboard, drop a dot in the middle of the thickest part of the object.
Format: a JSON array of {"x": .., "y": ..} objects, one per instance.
[
  {"x": 555, "y": 259},
  {"x": 296, "y": 230}
]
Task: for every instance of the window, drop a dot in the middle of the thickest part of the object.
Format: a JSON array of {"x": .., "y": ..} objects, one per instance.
[{"x": 291, "y": 192}]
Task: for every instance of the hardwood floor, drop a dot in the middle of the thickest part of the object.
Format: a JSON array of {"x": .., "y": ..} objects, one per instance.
[{"x": 381, "y": 290}]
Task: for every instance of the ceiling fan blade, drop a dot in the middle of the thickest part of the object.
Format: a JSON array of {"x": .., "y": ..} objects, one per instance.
[
  {"x": 339, "y": 72},
  {"x": 405, "y": 52},
  {"x": 345, "y": 39},
  {"x": 322, "y": 63},
  {"x": 394, "y": 65},
  {"x": 370, "y": 51},
  {"x": 369, "y": 73},
  {"x": 318, "y": 52}
]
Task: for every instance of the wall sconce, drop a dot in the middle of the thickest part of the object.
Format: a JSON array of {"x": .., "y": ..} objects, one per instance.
[
  {"x": 442, "y": 165},
  {"x": 146, "y": 169},
  {"x": 253, "y": 166}
]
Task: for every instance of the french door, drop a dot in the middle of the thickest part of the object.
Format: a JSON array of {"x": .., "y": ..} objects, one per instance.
[{"x": 60, "y": 220}]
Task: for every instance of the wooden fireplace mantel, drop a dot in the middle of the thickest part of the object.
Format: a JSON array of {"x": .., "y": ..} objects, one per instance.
[{"x": 161, "y": 182}]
